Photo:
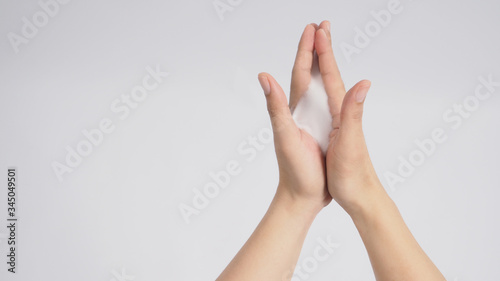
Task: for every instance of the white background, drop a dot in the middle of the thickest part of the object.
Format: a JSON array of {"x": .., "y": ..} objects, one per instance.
[{"x": 119, "y": 209}]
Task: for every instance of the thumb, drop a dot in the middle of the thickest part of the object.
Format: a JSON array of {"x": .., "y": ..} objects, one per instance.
[
  {"x": 277, "y": 106},
  {"x": 352, "y": 106}
]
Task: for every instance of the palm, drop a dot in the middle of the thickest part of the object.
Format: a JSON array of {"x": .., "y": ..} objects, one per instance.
[{"x": 302, "y": 166}]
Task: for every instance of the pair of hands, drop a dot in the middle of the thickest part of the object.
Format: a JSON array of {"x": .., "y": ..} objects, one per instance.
[
  {"x": 309, "y": 180},
  {"x": 308, "y": 177}
]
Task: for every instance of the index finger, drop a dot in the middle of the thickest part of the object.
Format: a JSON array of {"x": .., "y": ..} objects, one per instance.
[
  {"x": 301, "y": 73},
  {"x": 330, "y": 73}
]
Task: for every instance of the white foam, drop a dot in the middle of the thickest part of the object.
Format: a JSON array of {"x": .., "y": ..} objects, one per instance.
[{"x": 312, "y": 112}]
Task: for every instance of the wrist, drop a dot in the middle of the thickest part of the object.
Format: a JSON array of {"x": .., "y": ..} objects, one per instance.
[
  {"x": 377, "y": 205},
  {"x": 303, "y": 208}
]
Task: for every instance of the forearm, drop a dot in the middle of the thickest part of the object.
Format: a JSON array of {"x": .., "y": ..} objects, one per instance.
[
  {"x": 394, "y": 253},
  {"x": 272, "y": 251}
]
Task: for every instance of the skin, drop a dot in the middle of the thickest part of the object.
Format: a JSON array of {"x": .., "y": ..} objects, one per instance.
[{"x": 309, "y": 181}]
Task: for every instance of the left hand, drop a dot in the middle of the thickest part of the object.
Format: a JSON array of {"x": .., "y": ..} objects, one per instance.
[{"x": 301, "y": 163}]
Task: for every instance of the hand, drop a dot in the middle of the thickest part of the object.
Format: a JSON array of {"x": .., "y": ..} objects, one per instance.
[
  {"x": 271, "y": 253},
  {"x": 302, "y": 176},
  {"x": 351, "y": 178}
]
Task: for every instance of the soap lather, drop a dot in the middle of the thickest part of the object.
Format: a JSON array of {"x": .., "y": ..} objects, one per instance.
[{"x": 312, "y": 112}]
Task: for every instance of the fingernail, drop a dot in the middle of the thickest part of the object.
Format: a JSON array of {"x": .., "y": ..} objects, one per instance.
[
  {"x": 361, "y": 94},
  {"x": 264, "y": 83},
  {"x": 328, "y": 26},
  {"x": 324, "y": 32}
]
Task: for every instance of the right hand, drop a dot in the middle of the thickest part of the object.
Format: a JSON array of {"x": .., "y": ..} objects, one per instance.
[{"x": 351, "y": 178}]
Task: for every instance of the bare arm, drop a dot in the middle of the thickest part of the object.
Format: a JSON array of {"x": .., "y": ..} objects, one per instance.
[
  {"x": 394, "y": 253},
  {"x": 272, "y": 251},
  {"x": 309, "y": 180}
]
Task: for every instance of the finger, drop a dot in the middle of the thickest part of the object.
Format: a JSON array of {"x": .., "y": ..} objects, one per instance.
[
  {"x": 326, "y": 26},
  {"x": 301, "y": 73},
  {"x": 352, "y": 107},
  {"x": 330, "y": 73},
  {"x": 279, "y": 112}
]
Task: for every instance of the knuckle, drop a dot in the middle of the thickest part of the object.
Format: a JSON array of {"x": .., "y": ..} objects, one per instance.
[
  {"x": 278, "y": 122},
  {"x": 357, "y": 114},
  {"x": 274, "y": 112}
]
